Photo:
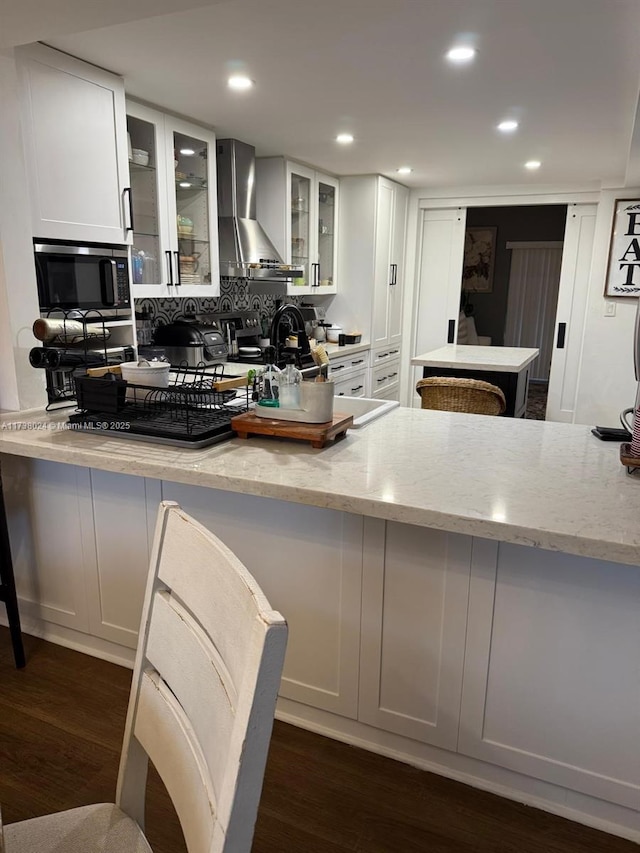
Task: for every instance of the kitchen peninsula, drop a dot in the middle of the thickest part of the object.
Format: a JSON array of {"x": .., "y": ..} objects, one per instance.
[
  {"x": 462, "y": 591},
  {"x": 506, "y": 367}
]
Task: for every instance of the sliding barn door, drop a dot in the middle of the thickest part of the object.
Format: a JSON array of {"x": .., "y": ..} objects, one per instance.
[
  {"x": 439, "y": 282},
  {"x": 570, "y": 315}
]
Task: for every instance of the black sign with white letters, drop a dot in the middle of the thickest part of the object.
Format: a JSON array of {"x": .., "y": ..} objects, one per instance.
[{"x": 623, "y": 274}]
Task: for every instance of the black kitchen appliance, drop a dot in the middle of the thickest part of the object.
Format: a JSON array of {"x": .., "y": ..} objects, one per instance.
[
  {"x": 242, "y": 332},
  {"x": 71, "y": 276},
  {"x": 191, "y": 342}
]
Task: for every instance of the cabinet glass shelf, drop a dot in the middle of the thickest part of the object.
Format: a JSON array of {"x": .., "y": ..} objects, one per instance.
[
  {"x": 192, "y": 188},
  {"x": 137, "y": 233},
  {"x": 138, "y": 167},
  {"x": 190, "y": 239}
]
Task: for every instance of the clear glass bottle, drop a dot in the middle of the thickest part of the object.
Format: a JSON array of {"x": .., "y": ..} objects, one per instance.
[{"x": 290, "y": 381}]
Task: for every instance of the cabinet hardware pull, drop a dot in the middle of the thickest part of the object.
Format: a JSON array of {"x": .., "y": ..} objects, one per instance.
[
  {"x": 108, "y": 283},
  {"x": 169, "y": 270},
  {"x": 315, "y": 277},
  {"x": 392, "y": 375},
  {"x": 359, "y": 361},
  {"x": 357, "y": 388},
  {"x": 394, "y": 352},
  {"x": 178, "y": 276},
  {"x": 451, "y": 332},
  {"x": 127, "y": 190},
  {"x": 382, "y": 355},
  {"x": 394, "y": 275},
  {"x": 562, "y": 331},
  {"x": 339, "y": 367},
  {"x": 382, "y": 379}
]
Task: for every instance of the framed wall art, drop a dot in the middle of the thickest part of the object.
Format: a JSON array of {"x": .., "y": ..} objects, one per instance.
[
  {"x": 623, "y": 268},
  {"x": 479, "y": 260}
]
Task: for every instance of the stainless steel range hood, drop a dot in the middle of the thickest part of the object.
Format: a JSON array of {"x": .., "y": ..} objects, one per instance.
[{"x": 245, "y": 250}]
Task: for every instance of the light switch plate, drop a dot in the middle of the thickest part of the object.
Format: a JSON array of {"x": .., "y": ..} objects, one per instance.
[{"x": 610, "y": 309}]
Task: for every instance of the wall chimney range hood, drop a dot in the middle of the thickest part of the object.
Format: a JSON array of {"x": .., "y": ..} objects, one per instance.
[{"x": 245, "y": 250}]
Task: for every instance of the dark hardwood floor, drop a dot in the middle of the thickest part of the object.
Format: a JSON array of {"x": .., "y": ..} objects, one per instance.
[{"x": 61, "y": 724}]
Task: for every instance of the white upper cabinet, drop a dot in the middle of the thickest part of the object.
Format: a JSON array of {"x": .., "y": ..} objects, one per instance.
[
  {"x": 174, "y": 206},
  {"x": 74, "y": 128},
  {"x": 298, "y": 209},
  {"x": 373, "y": 217},
  {"x": 388, "y": 286}
]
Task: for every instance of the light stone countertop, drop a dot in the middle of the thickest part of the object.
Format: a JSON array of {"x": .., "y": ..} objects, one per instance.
[
  {"x": 550, "y": 485},
  {"x": 500, "y": 359}
]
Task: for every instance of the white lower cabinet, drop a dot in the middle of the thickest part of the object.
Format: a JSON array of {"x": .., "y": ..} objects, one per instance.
[
  {"x": 49, "y": 518},
  {"x": 385, "y": 372},
  {"x": 124, "y": 509},
  {"x": 551, "y": 686},
  {"x": 385, "y": 380},
  {"x": 414, "y": 605},
  {"x": 350, "y": 374},
  {"x": 308, "y": 561},
  {"x": 524, "y": 662}
]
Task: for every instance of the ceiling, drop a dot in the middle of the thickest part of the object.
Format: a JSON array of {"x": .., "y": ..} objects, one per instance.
[{"x": 567, "y": 70}]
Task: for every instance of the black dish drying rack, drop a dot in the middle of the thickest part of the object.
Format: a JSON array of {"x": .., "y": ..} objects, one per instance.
[{"x": 195, "y": 410}]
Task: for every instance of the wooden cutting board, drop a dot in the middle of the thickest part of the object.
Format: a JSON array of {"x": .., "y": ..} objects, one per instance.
[{"x": 318, "y": 434}]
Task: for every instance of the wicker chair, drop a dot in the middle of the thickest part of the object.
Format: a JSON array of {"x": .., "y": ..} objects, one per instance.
[{"x": 453, "y": 394}]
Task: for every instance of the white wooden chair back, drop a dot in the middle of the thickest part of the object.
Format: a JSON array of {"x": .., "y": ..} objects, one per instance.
[{"x": 205, "y": 683}]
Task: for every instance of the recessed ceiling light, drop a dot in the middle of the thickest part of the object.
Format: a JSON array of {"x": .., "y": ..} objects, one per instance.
[
  {"x": 532, "y": 164},
  {"x": 508, "y": 126},
  {"x": 404, "y": 170},
  {"x": 461, "y": 54},
  {"x": 240, "y": 83},
  {"x": 188, "y": 152},
  {"x": 344, "y": 138}
]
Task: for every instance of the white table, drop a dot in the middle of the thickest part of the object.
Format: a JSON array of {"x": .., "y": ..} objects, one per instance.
[{"x": 506, "y": 367}]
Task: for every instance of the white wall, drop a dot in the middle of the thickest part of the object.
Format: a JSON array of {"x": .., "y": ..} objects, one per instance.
[
  {"x": 21, "y": 387},
  {"x": 606, "y": 383}
]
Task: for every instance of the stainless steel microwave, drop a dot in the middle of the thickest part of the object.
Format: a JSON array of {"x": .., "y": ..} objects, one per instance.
[{"x": 83, "y": 277}]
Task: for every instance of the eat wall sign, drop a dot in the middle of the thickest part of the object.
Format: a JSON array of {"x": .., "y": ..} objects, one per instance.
[{"x": 623, "y": 273}]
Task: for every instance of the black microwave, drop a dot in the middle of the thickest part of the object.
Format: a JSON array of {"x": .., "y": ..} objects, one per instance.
[{"x": 82, "y": 277}]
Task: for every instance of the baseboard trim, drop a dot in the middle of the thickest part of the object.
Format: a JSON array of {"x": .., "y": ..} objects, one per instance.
[
  {"x": 621, "y": 822},
  {"x": 76, "y": 640}
]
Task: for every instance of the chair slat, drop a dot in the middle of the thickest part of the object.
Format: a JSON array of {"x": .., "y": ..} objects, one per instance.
[
  {"x": 187, "y": 661},
  {"x": 162, "y": 729},
  {"x": 224, "y": 598}
]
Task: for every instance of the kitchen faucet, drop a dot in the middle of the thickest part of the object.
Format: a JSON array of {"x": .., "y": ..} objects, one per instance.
[{"x": 293, "y": 313}]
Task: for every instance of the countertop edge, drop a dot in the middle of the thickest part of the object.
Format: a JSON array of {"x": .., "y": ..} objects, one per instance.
[{"x": 578, "y": 545}]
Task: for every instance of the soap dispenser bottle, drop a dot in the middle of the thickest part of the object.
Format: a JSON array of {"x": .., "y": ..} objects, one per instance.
[{"x": 290, "y": 381}]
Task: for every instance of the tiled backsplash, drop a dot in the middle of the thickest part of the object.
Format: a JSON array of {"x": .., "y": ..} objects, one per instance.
[{"x": 234, "y": 296}]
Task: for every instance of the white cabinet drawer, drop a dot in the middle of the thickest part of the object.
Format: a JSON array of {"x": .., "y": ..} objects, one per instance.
[
  {"x": 346, "y": 366},
  {"x": 385, "y": 354},
  {"x": 353, "y": 386},
  {"x": 383, "y": 376}
]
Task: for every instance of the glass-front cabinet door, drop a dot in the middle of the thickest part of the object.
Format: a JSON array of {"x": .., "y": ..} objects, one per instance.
[
  {"x": 194, "y": 200},
  {"x": 147, "y": 175},
  {"x": 301, "y": 215},
  {"x": 173, "y": 196},
  {"x": 327, "y": 233}
]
